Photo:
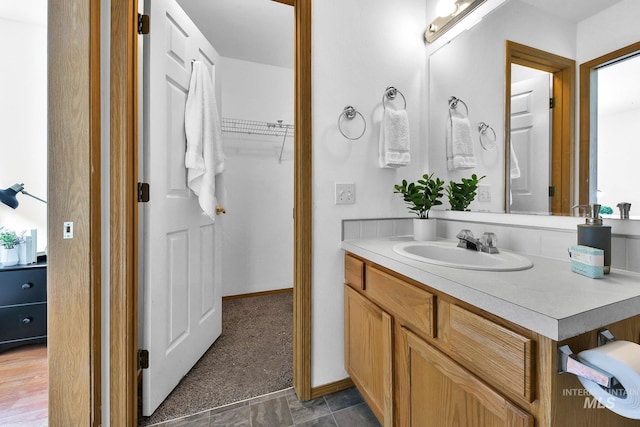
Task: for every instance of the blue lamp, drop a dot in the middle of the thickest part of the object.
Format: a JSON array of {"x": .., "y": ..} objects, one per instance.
[{"x": 8, "y": 195}]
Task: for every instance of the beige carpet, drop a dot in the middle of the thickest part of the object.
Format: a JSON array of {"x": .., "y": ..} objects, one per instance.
[{"x": 253, "y": 356}]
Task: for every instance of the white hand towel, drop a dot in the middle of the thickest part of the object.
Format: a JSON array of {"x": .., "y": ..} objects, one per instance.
[
  {"x": 204, "y": 157},
  {"x": 460, "y": 154},
  {"x": 394, "y": 143}
]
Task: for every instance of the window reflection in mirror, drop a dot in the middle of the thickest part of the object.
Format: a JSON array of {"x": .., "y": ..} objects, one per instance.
[
  {"x": 618, "y": 127},
  {"x": 609, "y": 129}
]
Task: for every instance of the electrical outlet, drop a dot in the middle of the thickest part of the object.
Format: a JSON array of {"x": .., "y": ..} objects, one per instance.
[
  {"x": 484, "y": 193},
  {"x": 345, "y": 194}
]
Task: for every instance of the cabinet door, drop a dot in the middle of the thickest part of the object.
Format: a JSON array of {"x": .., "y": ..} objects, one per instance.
[
  {"x": 433, "y": 390},
  {"x": 367, "y": 352}
]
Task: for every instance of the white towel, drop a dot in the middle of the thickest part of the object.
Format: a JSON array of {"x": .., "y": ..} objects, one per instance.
[
  {"x": 460, "y": 154},
  {"x": 204, "y": 157},
  {"x": 514, "y": 172},
  {"x": 394, "y": 139}
]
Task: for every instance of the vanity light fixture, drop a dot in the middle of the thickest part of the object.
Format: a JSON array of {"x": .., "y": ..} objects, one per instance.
[
  {"x": 450, "y": 12},
  {"x": 8, "y": 195}
]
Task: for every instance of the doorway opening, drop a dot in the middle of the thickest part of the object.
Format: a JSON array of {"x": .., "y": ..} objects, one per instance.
[
  {"x": 253, "y": 239},
  {"x": 23, "y": 284}
]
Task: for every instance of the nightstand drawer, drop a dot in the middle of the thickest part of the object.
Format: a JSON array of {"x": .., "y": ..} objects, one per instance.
[
  {"x": 23, "y": 321},
  {"x": 23, "y": 286}
]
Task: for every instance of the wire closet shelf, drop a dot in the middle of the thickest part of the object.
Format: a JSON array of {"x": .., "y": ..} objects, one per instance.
[{"x": 253, "y": 127}]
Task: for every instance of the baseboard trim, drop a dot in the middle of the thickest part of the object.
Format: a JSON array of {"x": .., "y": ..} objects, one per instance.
[
  {"x": 258, "y": 294},
  {"x": 333, "y": 387}
]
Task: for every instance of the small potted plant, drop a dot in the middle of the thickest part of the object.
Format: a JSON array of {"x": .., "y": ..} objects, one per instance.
[
  {"x": 9, "y": 242},
  {"x": 461, "y": 194},
  {"x": 421, "y": 197}
]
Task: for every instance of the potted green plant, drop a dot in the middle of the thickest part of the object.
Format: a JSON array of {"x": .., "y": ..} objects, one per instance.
[
  {"x": 9, "y": 242},
  {"x": 421, "y": 196},
  {"x": 461, "y": 194}
]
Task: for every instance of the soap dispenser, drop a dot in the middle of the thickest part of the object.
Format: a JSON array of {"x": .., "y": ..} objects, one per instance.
[{"x": 593, "y": 233}]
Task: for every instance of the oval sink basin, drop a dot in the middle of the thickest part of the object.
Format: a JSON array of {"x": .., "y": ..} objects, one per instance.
[{"x": 449, "y": 255}]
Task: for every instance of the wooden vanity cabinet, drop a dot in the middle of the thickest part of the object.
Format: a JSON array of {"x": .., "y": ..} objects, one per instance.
[
  {"x": 408, "y": 374},
  {"x": 368, "y": 351},
  {"x": 433, "y": 390},
  {"x": 422, "y": 358}
]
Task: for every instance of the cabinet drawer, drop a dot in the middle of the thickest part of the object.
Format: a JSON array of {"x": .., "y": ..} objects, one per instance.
[
  {"x": 354, "y": 272},
  {"x": 23, "y": 286},
  {"x": 23, "y": 321},
  {"x": 414, "y": 306},
  {"x": 494, "y": 352}
]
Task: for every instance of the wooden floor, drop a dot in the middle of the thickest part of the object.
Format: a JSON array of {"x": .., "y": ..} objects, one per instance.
[{"x": 24, "y": 386}]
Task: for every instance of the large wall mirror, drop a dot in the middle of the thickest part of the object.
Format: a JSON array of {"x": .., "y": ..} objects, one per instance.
[{"x": 472, "y": 67}]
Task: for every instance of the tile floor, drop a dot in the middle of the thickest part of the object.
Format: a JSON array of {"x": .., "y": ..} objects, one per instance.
[{"x": 283, "y": 409}]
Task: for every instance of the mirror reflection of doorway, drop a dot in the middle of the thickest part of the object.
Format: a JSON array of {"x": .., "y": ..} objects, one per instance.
[
  {"x": 559, "y": 187},
  {"x": 531, "y": 124}
]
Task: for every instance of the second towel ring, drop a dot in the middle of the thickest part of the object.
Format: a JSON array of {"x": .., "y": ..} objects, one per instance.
[
  {"x": 485, "y": 140},
  {"x": 350, "y": 113},
  {"x": 453, "y": 104},
  {"x": 390, "y": 94}
]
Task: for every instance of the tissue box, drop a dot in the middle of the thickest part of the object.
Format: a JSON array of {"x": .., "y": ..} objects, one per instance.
[{"x": 587, "y": 261}]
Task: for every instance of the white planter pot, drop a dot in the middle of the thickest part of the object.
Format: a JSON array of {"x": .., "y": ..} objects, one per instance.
[
  {"x": 8, "y": 257},
  {"x": 424, "y": 229}
]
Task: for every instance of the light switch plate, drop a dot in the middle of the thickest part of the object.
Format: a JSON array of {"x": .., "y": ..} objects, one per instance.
[
  {"x": 345, "y": 194},
  {"x": 67, "y": 232},
  {"x": 484, "y": 193}
]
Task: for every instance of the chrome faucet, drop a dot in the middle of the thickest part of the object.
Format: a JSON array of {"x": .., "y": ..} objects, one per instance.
[{"x": 484, "y": 244}]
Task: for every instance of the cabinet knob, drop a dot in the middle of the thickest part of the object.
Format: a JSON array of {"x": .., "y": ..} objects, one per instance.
[
  {"x": 27, "y": 285},
  {"x": 27, "y": 320}
]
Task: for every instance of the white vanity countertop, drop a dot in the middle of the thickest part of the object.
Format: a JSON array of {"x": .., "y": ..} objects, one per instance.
[{"x": 548, "y": 298}]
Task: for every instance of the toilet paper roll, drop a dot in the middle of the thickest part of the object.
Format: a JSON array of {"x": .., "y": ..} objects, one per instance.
[{"x": 622, "y": 360}]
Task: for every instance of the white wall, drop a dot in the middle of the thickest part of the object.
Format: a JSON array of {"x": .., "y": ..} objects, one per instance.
[
  {"x": 257, "y": 241},
  {"x": 359, "y": 48},
  {"x": 472, "y": 68},
  {"x": 23, "y": 120},
  {"x": 595, "y": 36}
]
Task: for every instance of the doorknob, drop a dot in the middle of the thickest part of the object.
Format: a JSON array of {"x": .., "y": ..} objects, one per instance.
[{"x": 220, "y": 210}]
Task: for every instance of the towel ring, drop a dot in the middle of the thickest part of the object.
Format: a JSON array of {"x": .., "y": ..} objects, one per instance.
[
  {"x": 390, "y": 94},
  {"x": 350, "y": 113},
  {"x": 485, "y": 139},
  {"x": 453, "y": 104}
]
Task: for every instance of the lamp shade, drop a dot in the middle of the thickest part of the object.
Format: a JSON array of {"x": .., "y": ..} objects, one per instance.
[{"x": 8, "y": 197}]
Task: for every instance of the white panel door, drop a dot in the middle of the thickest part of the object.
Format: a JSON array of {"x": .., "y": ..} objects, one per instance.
[
  {"x": 531, "y": 142},
  {"x": 182, "y": 305}
]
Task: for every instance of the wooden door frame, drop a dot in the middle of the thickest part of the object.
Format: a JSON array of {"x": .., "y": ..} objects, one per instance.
[
  {"x": 123, "y": 213},
  {"x": 564, "y": 72},
  {"x": 585, "y": 114},
  {"x": 73, "y": 170}
]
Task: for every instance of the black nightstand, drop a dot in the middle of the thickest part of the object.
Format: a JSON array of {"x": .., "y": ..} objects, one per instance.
[{"x": 23, "y": 305}]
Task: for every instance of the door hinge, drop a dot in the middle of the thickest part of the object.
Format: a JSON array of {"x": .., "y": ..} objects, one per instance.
[
  {"x": 552, "y": 103},
  {"x": 143, "y": 192},
  {"x": 143, "y": 23},
  {"x": 143, "y": 359},
  {"x": 552, "y": 191}
]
